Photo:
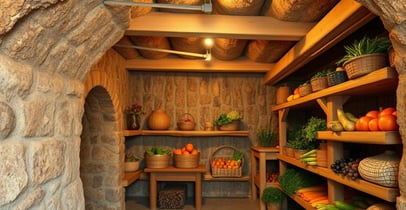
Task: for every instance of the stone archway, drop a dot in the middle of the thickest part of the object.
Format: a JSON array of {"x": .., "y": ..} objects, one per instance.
[{"x": 101, "y": 153}]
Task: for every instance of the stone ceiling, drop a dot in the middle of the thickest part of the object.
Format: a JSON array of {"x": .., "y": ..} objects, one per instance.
[{"x": 231, "y": 42}]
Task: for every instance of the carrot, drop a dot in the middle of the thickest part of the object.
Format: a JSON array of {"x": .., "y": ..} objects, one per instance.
[
  {"x": 312, "y": 188},
  {"x": 323, "y": 197},
  {"x": 311, "y": 195}
]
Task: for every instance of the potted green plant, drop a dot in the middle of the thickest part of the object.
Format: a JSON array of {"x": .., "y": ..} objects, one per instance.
[
  {"x": 266, "y": 137},
  {"x": 364, "y": 56},
  {"x": 228, "y": 121},
  {"x": 132, "y": 162},
  {"x": 273, "y": 197}
]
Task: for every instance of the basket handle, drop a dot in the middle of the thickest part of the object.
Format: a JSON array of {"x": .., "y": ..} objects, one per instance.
[
  {"x": 222, "y": 147},
  {"x": 188, "y": 115}
]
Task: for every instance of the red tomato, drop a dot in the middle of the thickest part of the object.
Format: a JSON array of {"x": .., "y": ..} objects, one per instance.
[
  {"x": 363, "y": 123},
  {"x": 373, "y": 114},
  {"x": 373, "y": 125},
  {"x": 387, "y": 111},
  {"x": 388, "y": 123},
  {"x": 296, "y": 91}
]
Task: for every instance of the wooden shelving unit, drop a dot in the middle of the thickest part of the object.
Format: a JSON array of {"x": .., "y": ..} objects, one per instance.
[
  {"x": 183, "y": 133},
  {"x": 329, "y": 99},
  {"x": 385, "y": 193},
  {"x": 209, "y": 177},
  {"x": 130, "y": 177}
]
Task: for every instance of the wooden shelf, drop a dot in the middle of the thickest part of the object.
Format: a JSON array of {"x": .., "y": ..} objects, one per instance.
[
  {"x": 130, "y": 177},
  {"x": 183, "y": 133},
  {"x": 209, "y": 177},
  {"x": 362, "y": 137},
  {"x": 385, "y": 193},
  {"x": 378, "y": 81}
]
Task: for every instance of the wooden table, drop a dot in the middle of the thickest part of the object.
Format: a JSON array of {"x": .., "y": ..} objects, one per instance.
[
  {"x": 175, "y": 174},
  {"x": 259, "y": 156}
]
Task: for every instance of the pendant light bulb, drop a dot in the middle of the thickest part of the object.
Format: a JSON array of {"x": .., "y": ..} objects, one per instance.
[{"x": 208, "y": 43}]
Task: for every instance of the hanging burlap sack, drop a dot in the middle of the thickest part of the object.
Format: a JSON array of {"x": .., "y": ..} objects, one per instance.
[
  {"x": 187, "y": 2},
  {"x": 140, "y": 11},
  {"x": 152, "y": 42},
  {"x": 266, "y": 51},
  {"x": 188, "y": 44},
  {"x": 237, "y": 7},
  {"x": 128, "y": 53},
  {"x": 228, "y": 49},
  {"x": 299, "y": 11}
]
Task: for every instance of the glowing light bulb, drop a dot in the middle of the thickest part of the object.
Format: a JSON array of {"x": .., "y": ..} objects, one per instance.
[{"x": 208, "y": 43}]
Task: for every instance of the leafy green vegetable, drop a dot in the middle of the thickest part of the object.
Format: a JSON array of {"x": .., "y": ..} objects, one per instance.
[
  {"x": 227, "y": 118},
  {"x": 266, "y": 137},
  {"x": 158, "y": 151},
  {"x": 237, "y": 155},
  {"x": 365, "y": 46},
  {"x": 294, "y": 179}
]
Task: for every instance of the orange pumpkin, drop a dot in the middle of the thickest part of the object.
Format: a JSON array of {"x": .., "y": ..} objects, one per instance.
[{"x": 159, "y": 120}]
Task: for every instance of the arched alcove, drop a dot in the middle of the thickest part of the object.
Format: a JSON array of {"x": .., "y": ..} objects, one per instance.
[{"x": 100, "y": 153}]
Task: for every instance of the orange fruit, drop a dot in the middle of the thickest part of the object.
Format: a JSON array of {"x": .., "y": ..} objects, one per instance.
[
  {"x": 189, "y": 147},
  {"x": 185, "y": 152},
  {"x": 194, "y": 152},
  {"x": 177, "y": 152}
]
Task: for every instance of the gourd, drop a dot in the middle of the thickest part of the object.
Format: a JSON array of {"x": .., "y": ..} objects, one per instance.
[
  {"x": 159, "y": 120},
  {"x": 380, "y": 206}
]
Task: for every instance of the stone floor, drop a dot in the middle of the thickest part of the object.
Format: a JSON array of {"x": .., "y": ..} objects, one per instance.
[{"x": 208, "y": 204}]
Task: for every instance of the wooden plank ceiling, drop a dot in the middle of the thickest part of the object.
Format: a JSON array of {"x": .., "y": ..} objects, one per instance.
[{"x": 276, "y": 40}]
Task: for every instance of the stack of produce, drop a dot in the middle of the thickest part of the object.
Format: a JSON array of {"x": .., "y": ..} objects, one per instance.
[
  {"x": 347, "y": 167},
  {"x": 338, "y": 205},
  {"x": 314, "y": 194},
  {"x": 310, "y": 157},
  {"x": 374, "y": 120},
  {"x": 186, "y": 157},
  {"x": 382, "y": 120}
]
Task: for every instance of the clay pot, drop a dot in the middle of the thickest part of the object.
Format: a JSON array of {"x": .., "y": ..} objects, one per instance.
[{"x": 159, "y": 120}]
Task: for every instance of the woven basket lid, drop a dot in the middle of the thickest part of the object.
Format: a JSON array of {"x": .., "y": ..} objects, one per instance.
[
  {"x": 228, "y": 49},
  {"x": 237, "y": 7},
  {"x": 267, "y": 51},
  {"x": 153, "y": 42},
  {"x": 188, "y": 44},
  {"x": 299, "y": 11},
  {"x": 186, "y": 2}
]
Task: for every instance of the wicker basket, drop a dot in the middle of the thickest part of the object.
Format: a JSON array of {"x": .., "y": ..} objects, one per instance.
[
  {"x": 186, "y": 123},
  {"x": 365, "y": 64},
  {"x": 234, "y": 126},
  {"x": 319, "y": 83},
  {"x": 222, "y": 172},
  {"x": 381, "y": 169},
  {"x": 186, "y": 160},
  {"x": 336, "y": 77},
  {"x": 157, "y": 161},
  {"x": 305, "y": 89}
]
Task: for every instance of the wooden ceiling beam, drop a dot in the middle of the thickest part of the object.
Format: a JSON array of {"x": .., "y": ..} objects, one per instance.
[
  {"x": 345, "y": 18},
  {"x": 216, "y": 26},
  {"x": 175, "y": 64}
]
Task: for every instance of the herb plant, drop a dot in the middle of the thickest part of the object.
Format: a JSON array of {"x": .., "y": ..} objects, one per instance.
[
  {"x": 266, "y": 137},
  {"x": 273, "y": 195},
  {"x": 365, "y": 46}
]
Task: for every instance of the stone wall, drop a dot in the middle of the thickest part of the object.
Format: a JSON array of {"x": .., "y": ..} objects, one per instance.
[
  {"x": 393, "y": 16},
  {"x": 205, "y": 96},
  {"x": 47, "y": 48}
]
